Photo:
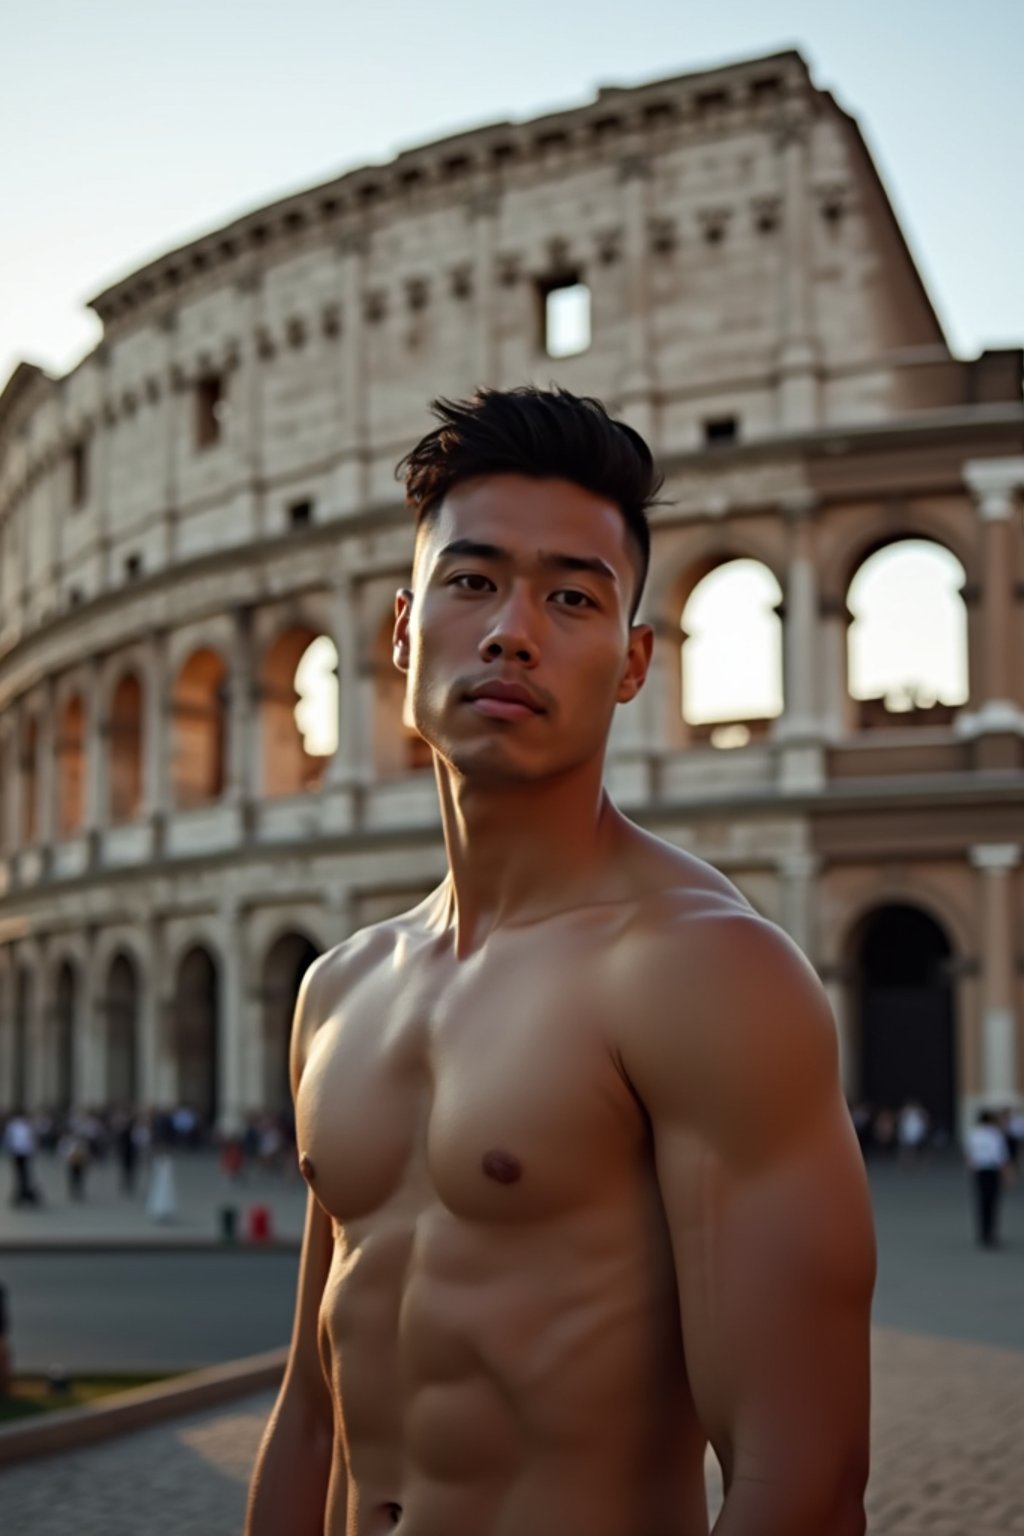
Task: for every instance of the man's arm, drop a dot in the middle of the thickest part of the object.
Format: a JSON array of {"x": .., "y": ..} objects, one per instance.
[
  {"x": 770, "y": 1221},
  {"x": 293, "y": 1468}
]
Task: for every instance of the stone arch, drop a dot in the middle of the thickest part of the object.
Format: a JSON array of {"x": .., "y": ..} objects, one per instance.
[
  {"x": 196, "y": 1031},
  {"x": 843, "y": 553},
  {"x": 70, "y": 754},
  {"x": 199, "y": 730},
  {"x": 125, "y": 733},
  {"x": 397, "y": 746},
  {"x": 729, "y": 680},
  {"x": 900, "y": 670},
  {"x": 287, "y": 767},
  {"x": 121, "y": 1009},
  {"x": 902, "y": 1003},
  {"x": 284, "y": 964}
]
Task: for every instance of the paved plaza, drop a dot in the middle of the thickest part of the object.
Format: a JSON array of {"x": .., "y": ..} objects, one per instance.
[{"x": 948, "y": 1389}]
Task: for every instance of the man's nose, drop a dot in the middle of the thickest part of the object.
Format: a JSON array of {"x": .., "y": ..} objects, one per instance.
[{"x": 510, "y": 636}]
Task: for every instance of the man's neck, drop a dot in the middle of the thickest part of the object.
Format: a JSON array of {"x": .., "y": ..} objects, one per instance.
[{"x": 520, "y": 851}]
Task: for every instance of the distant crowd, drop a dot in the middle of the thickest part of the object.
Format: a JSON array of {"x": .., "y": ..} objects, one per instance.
[{"x": 133, "y": 1139}]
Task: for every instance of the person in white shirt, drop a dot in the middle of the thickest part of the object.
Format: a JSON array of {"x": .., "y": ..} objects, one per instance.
[
  {"x": 987, "y": 1158},
  {"x": 20, "y": 1142}
]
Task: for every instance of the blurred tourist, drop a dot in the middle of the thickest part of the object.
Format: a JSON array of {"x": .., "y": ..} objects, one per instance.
[
  {"x": 912, "y": 1127},
  {"x": 20, "y": 1144},
  {"x": 74, "y": 1149},
  {"x": 987, "y": 1159}
]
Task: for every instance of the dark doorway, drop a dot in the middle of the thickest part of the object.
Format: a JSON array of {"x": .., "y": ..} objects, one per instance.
[
  {"x": 122, "y": 1032},
  {"x": 907, "y": 1032},
  {"x": 287, "y": 962},
  {"x": 197, "y": 1033}
]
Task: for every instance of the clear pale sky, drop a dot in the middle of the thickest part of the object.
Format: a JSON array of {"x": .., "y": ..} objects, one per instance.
[{"x": 129, "y": 127}]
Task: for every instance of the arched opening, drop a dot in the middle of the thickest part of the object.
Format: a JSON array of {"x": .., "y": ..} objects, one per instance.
[
  {"x": 122, "y": 1030},
  {"x": 287, "y": 961},
  {"x": 71, "y": 767},
  {"x": 197, "y": 1032},
  {"x": 65, "y": 1008},
  {"x": 23, "y": 1004},
  {"x": 904, "y": 1009},
  {"x": 907, "y": 657},
  {"x": 398, "y": 746},
  {"x": 30, "y": 781},
  {"x": 732, "y": 655},
  {"x": 199, "y": 731},
  {"x": 298, "y": 711},
  {"x": 126, "y": 749}
]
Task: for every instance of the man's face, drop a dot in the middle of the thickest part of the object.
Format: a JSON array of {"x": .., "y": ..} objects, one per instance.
[{"x": 516, "y": 639}]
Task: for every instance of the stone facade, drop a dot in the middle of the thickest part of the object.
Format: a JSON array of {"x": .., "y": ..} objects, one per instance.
[{"x": 213, "y": 488}]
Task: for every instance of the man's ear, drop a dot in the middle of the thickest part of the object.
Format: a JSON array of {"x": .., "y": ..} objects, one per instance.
[
  {"x": 400, "y": 643},
  {"x": 638, "y": 659}
]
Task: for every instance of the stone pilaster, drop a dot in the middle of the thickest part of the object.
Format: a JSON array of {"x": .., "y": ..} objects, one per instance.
[
  {"x": 996, "y": 486},
  {"x": 636, "y": 386},
  {"x": 797, "y": 354},
  {"x": 484, "y": 214},
  {"x": 240, "y": 701},
  {"x": 1000, "y": 1069},
  {"x": 352, "y": 476},
  {"x": 158, "y": 744},
  {"x": 246, "y": 419},
  {"x": 232, "y": 1044},
  {"x": 798, "y": 873},
  {"x": 797, "y": 734}
]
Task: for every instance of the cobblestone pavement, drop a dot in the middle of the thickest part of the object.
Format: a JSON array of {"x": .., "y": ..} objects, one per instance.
[{"x": 945, "y": 1458}]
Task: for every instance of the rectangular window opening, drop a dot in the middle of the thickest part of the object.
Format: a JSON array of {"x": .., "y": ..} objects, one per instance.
[
  {"x": 300, "y": 514},
  {"x": 721, "y": 429},
  {"x": 133, "y": 566},
  {"x": 79, "y": 475},
  {"x": 210, "y": 410},
  {"x": 565, "y": 316}
]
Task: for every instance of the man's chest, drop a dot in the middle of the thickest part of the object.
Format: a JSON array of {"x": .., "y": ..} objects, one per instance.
[{"x": 492, "y": 1090}]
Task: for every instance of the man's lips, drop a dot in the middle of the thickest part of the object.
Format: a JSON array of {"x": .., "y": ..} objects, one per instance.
[{"x": 505, "y": 701}]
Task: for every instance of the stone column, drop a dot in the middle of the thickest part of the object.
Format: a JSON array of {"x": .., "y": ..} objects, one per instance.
[
  {"x": 483, "y": 211},
  {"x": 97, "y": 796},
  {"x": 102, "y": 448},
  {"x": 8, "y": 785},
  {"x": 1000, "y": 1070},
  {"x": 158, "y": 744},
  {"x": 345, "y": 774},
  {"x": 89, "y": 1045},
  {"x": 35, "y": 1032},
  {"x": 231, "y": 1053},
  {"x": 797, "y": 731},
  {"x": 798, "y": 872},
  {"x": 797, "y": 355},
  {"x": 636, "y": 386},
  {"x": 246, "y": 420},
  {"x": 240, "y": 701},
  {"x": 172, "y": 397},
  {"x": 46, "y": 767},
  {"x": 16, "y": 775},
  {"x": 834, "y": 619},
  {"x": 996, "y": 486},
  {"x": 351, "y": 477}
]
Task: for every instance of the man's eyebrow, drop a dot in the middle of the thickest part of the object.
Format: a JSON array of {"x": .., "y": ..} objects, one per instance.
[{"x": 553, "y": 559}]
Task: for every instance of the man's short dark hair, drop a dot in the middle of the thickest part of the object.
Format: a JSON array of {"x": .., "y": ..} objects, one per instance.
[{"x": 548, "y": 434}]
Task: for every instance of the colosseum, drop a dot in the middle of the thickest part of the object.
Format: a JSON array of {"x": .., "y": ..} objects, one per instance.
[{"x": 205, "y": 772}]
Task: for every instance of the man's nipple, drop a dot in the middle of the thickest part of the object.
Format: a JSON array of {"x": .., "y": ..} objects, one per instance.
[
  {"x": 502, "y": 1166},
  {"x": 306, "y": 1168}
]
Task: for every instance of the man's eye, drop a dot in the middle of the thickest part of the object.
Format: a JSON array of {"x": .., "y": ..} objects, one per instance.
[
  {"x": 471, "y": 581},
  {"x": 569, "y": 598}
]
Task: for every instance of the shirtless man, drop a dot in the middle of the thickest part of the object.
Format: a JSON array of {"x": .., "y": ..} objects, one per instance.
[{"x": 584, "y": 1194}]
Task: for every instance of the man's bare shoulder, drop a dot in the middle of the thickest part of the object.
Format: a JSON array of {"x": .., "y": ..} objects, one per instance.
[
  {"x": 731, "y": 1028},
  {"x": 332, "y": 977}
]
